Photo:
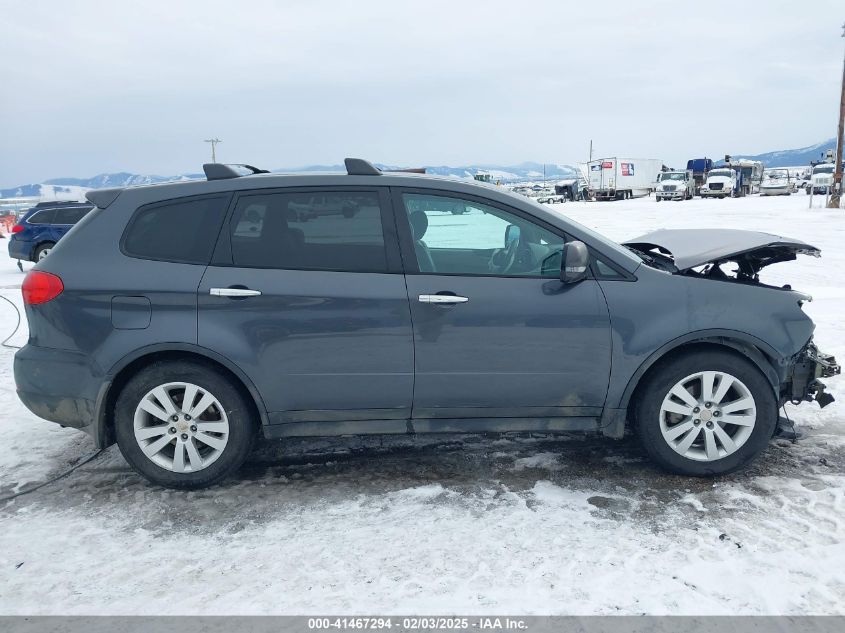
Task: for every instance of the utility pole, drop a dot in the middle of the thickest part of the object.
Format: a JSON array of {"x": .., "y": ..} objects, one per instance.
[
  {"x": 837, "y": 174},
  {"x": 214, "y": 141}
]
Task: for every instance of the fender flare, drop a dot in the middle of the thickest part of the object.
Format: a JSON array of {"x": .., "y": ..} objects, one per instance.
[
  {"x": 38, "y": 245},
  {"x": 756, "y": 350},
  {"x": 100, "y": 427},
  {"x": 613, "y": 418}
]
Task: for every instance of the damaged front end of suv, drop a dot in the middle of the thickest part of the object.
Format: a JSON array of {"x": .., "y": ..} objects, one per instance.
[
  {"x": 738, "y": 256},
  {"x": 805, "y": 371}
]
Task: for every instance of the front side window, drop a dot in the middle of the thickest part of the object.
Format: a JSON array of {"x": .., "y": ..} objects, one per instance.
[
  {"x": 327, "y": 231},
  {"x": 178, "y": 231},
  {"x": 455, "y": 236}
]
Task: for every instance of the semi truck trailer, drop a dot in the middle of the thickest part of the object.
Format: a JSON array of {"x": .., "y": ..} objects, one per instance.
[{"x": 621, "y": 178}]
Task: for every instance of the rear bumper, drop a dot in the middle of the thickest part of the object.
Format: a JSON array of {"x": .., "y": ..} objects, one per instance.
[
  {"x": 807, "y": 368},
  {"x": 19, "y": 249},
  {"x": 58, "y": 385}
]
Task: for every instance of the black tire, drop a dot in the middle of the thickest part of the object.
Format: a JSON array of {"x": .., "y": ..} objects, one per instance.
[
  {"x": 40, "y": 251},
  {"x": 349, "y": 213},
  {"x": 242, "y": 426},
  {"x": 668, "y": 374}
]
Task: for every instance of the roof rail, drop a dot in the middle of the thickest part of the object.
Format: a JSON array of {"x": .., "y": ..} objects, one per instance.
[
  {"x": 222, "y": 171},
  {"x": 360, "y": 167},
  {"x": 59, "y": 203}
]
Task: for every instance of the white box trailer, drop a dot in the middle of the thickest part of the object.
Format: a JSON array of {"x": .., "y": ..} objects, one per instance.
[{"x": 619, "y": 178}]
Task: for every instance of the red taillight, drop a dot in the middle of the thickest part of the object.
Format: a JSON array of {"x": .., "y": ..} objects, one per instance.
[
  {"x": 17, "y": 228},
  {"x": 40, "y": 287}
]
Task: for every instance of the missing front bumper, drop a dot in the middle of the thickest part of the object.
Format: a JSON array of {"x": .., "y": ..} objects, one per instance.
[{"x": 811, "y": 365}]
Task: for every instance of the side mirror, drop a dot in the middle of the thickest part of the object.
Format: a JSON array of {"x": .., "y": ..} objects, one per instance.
[{"x": 575, "y": 263}]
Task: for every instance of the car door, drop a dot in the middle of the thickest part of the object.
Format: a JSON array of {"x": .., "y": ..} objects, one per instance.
[
  {"x": 496, "y": 333},
  {"x": 312, "y": 307}
]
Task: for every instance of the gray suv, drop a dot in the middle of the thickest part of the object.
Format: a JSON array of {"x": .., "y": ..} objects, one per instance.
[{"x": 179, "y": 319}]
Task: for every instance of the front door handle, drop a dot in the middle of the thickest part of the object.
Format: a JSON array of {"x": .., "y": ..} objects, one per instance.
[
  {"x": 233, "y": 292},
  {"x": 442, "y": 299}
]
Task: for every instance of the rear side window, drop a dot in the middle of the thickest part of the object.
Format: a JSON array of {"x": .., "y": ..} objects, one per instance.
[
  {"x": 326, "y": 231},
  {"x": 70, "y": 215},
  {"x": 42, "y": 217},
  {"x": 176, "y": 231}
]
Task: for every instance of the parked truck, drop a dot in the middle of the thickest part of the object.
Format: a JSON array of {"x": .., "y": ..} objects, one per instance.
[
  {"x": 722, "y": 182},
  {"x": 750, "y": 172},
  {"x": 821, "y": 178},
  {"x": 675, "y": 185},
  {"x": 700, "y": 167},
  {"x": 621, "y": 178},
  {"x": 733, "y": 179}
]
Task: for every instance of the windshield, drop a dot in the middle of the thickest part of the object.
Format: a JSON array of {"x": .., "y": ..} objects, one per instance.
[
  {"x": 727, "y": 173},
  {"x": 776, "y": 174},
  {"x": 823, "y": 169},
  {"x": 671, "y": 176}
]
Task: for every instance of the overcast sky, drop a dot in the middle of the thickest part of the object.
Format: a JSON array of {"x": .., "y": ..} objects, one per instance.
[{"x": 92, "y": 87}]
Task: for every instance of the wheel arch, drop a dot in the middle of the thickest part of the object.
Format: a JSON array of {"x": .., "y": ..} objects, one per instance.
[
  {"x": 132, "y": 363},
  {"x": 38, "y": 244},
  {"x": 760, "y": 353}
]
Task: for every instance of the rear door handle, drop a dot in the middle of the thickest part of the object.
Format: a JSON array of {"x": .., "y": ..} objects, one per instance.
[
  {"x": 233, "y": 292},
  {"x": 447, "y": 299}
]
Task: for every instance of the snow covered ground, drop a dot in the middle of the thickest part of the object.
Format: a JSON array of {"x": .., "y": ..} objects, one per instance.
[{"x": 525, "y": 524}]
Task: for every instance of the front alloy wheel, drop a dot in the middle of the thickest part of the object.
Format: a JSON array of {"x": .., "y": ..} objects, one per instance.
[
  {"x": 709, "y": 411},
  {"x": 707, "y": 415}
]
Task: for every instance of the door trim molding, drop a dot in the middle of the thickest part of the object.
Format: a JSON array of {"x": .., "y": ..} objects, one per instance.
[{"x": 432, "y": 425}]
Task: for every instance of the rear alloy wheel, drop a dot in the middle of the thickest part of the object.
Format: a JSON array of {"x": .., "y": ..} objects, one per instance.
[
  {"x": 706, "y": 413},
  {"x": 183, "y": 425},
  {"x": 43, "y": 250}
]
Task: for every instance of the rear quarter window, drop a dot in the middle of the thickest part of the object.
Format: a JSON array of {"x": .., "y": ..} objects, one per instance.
[
  {"x": 182, "y": 231},
  {"x": 42, "y": 217}
]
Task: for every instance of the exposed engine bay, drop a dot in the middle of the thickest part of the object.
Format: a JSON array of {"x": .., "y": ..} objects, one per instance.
[{"x": 723, "y": 254}]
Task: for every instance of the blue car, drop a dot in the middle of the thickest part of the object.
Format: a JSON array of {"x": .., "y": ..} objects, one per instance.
[{"x": 38, "y": 230}]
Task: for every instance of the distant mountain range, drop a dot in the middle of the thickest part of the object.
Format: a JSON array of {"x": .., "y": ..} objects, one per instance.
[
  {"x": 74, "y": 188},
  {"x": 60, "y": 188},
  {"x": 791, "y": 157},
  {"x": 66, "y": 188}
]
